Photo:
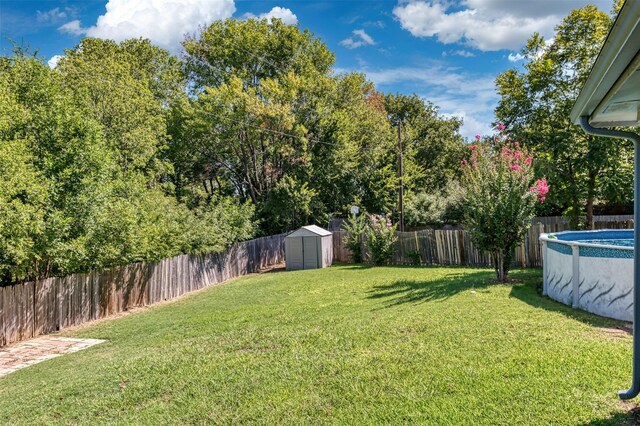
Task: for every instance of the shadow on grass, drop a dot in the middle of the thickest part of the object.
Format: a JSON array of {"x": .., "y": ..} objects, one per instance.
[
  {"x": 531, "y": 294},
  {"x": 356, "y": 266},
  {"x": 631, "y": 417},
  {"x": 419, "y": 291}
]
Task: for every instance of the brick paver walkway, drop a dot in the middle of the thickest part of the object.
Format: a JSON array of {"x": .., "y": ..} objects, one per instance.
[{"x": 33, "y": 351}]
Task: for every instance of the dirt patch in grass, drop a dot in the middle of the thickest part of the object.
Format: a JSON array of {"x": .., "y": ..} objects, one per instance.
[
  {"x": 632, "y": 411},
  {"x": 621, "y": 331},
  {"x": 280, "y": 267}
]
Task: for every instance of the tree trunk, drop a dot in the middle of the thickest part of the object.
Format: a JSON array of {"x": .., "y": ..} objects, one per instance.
[
  {"x": 497, "y": 263},
  {"x": 591, "y": 189},
  {"x": 501, "y": 263},
  {"x": 574, "y": 216}
]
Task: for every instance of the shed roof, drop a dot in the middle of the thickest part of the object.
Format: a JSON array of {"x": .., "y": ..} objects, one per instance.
[
  {"x": 611, "y": 94},
  {"x": 309, "y": 231}
]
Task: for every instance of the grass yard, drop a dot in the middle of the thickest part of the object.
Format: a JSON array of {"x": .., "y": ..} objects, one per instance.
[{"x": 347, "y": 345}]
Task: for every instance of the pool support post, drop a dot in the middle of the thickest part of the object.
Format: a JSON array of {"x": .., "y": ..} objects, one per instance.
[
  {"x": 575, "y": 276},
  {"x": 634, "y": 390}
]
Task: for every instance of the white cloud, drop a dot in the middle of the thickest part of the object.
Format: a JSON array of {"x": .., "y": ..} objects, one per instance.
[
  {"x": 73, "y": 27},
  {"x": 516, "y": 57},
  {"x": 376, "y": 24},
  {"x": 53, "y": 62},
  {"x": 282, "y": 13},
  {"x": 360, "y": 38},
  {"x": 487, "y": 25},
  {"x": 55, "y": 15},
  {"x": 456, "y": 92},
  {"x": 463, "y": 53},
  {"x": 164, "y": 22}
]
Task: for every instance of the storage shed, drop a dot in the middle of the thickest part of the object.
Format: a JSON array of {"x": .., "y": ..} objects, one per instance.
[{"x": 309, "y": 247}]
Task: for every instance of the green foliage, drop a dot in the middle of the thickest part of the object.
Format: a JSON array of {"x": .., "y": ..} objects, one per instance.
[
  {"x": 414, "y": 256},
  {"x": 432, "y": 144},
  {"x": 435, "y": 208},
  {"x": 358, "y": 161},
  {"x": 357, "y": 164},
  {"x": 289, "y": 206},
  {"x": 125, "y": 153},
  {"x": 218, "y": 222},
  {"x": 381, "y": 239},
  {"x": 500, "y": 199},
  {"x": 22, "y": 219},
  {"x": 81, "y": 166},
  {"x": 535, "y": 105},
  {"x": 267, "y": 111},
  {"x": 255, "y": 88},
  {"x": 356, "y": 228},
  {"x": 124, "y": 87}
]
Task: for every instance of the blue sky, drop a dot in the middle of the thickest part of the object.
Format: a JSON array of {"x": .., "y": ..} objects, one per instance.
[{"x": 448, "y": 52}]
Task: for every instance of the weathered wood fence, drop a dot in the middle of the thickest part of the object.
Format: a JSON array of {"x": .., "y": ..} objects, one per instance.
[
  {"x": 41, "y": 307},
  {"x": 454, "y": 246},
  {"x": 45, "y": 306}
]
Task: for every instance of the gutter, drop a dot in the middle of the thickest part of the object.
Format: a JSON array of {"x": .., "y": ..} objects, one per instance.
[
  {"x": 634, "y": 390},
  {"x": 617, "y": 52}
]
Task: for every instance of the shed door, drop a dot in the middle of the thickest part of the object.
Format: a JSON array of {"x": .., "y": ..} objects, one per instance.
[
  {"x": 293, "y": 254},
  {"x": 310, "y": 250}
]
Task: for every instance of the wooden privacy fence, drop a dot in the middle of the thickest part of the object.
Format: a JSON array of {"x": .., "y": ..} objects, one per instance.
[
  {"x": 44, "y": 306},
  {"x": 454, "y": 246}
]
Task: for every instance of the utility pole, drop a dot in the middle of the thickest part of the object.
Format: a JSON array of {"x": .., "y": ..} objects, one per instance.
[{"x": 400, "y": 176}]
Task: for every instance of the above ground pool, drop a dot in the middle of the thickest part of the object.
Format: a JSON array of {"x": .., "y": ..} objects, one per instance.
[{"x": 590, "y": 270}]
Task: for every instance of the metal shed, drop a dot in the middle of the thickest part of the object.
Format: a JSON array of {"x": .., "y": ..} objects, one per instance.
[{"x": 309, "y": 247}]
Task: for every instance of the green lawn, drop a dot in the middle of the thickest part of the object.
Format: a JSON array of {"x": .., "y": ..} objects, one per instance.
[{"x": 346, "y": 345}]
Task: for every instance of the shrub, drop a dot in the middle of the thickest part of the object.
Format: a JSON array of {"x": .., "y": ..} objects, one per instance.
[
  {"x": 414, "y": 257},
  {"x": 435, "y": 209},
  {"x": 424, "y": 208},
  {"x": 500, "y": 198},
  {"x": 356, "y": 227},
  {"x": 381, "y": 239}
]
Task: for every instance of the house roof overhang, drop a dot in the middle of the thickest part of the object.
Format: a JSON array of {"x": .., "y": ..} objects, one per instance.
[{"x": 611, "y": 95}]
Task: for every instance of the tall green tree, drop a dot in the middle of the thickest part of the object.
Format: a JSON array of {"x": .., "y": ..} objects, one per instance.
[
  {"x": 356, "y": 162},
  {"x": 256, "y": 87},
  {"x": 76, "y": 194},
  {"x": 126, "y": 88},
  {"x": 535, "y": 105}
]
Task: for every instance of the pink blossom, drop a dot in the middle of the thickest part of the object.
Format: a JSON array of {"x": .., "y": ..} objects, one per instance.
[
  {"x": 472, "y": 147},
  {"x": 500, "y": 127},
  {"x": 516, "y": 144},
  {"x": 541, "y": 187},
  {"x": 464, "y": 161},
  {"x": 517, "y": 155},
  {"x": 528, "y": 160},
  {"x": 516, "y": 167},
  {"x": 478, "y": 137}
]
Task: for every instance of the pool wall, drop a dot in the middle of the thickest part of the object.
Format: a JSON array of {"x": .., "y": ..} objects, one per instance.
[{"x": 595, "y": 277}]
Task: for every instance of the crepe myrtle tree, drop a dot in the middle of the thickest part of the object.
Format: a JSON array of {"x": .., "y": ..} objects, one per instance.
[
  {"x": 381, "y": 239},
  {"x": 500, "y": 193}
]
